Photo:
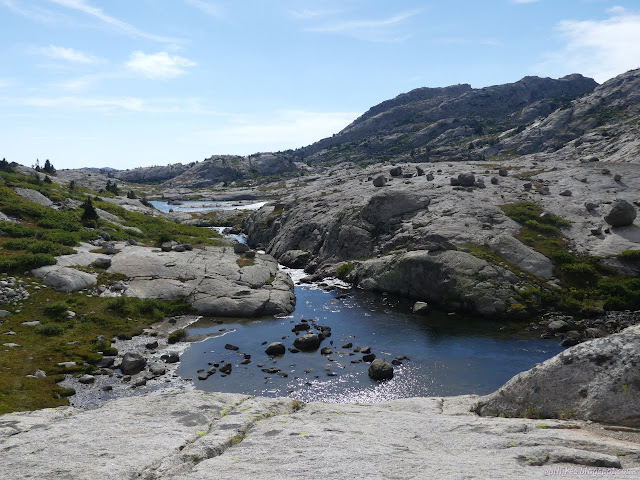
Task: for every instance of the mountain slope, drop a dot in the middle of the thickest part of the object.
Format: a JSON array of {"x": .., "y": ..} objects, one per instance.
[{"x": 439, "y": 122}]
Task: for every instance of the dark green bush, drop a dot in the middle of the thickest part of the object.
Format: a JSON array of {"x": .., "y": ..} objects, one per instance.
[
  {"x": 49, "y": 329},
  {"x": 26, "y": 261},
  {"x": 344, "y": 270},
  {"x": 177, "y": 336},
  {"x": 56, "y": 310}
]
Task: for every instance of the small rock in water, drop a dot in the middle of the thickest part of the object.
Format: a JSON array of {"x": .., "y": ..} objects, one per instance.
[
  {"x": 275, "y": 348},
  {"x": 228, "y": 346}
]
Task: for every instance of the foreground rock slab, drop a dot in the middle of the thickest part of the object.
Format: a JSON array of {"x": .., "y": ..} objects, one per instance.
[
  {"x": 198, "y": 435},
  {"x": 597, "y": 380}
]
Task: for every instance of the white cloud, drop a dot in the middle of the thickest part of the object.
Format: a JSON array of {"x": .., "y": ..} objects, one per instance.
[
  {"x": 206, "y": 7},
  {"x": 280, "y": 131},
  {"x": 159, "y": 65},
  {"x": 84, "y": 7},
  {"x": 381, "y": 30},
  {"x": 69, "y": 54},
  {"x": 600, "y": 49}
]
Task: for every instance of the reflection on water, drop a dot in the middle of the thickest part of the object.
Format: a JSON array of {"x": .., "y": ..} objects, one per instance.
[{"x": 449, "y": 354}]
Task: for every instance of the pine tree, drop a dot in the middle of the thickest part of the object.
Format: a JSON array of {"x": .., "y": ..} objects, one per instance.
[{"x": 89, "y": 213}]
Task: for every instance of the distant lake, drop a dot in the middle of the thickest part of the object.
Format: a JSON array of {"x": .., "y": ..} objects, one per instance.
[{"x": 206, "y": 206}]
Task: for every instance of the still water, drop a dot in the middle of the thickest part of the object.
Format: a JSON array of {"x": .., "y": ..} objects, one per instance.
[
  {"x": 206, "y": 206},
  {"x": 449, "y": 354}
]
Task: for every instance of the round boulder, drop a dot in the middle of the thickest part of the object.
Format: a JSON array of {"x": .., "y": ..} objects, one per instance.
[
  {"x": 307, "y": 342},
  {"x": 240, "y": 247},
  {"x": 379, "y": 181},
  {"x": 622, "y": 214},
  {"x": 275, "y": 348},
  {"x": 380, "y": 369},
  {"x": 132, "y": 363},
  {"x": 466, "y": 179},
  {"x": 395, "y": 171}
]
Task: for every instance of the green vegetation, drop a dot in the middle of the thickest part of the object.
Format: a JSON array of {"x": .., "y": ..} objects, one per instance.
[
  {"x": 177, "y": 336},
  {"x": 631, "y": 255},
  {"x": 586, "y": 286},
  {"x": 39, "y": 235},
  {"x": 344, "y": 270},
  {"x": 54, "y": 341}
]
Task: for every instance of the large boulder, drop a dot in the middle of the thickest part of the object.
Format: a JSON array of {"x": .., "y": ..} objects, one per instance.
[
  {"x": 275, "y": 348},
  {"x": 449, "y": 278},
  {"x": 380, "y": 369},
  {"x": 388, "y": 207},
  {"x": 295, "y": 258},
  {"x": 466, "y": 179},
  {"x": 132, "y": 363},
  {"x": 307, "y": 342},
  {"x": 598, "y": 380},
  {"x": 65, "y": 279},
  {"x": 622, "y": 213}
]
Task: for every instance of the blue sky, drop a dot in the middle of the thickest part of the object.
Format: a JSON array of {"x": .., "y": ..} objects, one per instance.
[{"x": 127, "y": 83}]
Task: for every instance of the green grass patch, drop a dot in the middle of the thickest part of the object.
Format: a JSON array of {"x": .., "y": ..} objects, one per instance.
[
  {"x": 586, "y": 286},
  {"x": 47, "y": 344},
  {"x": 631, "y": 255}
]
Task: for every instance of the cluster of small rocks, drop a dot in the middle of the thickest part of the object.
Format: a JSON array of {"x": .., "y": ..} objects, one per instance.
[
  {"x": 13, "y": 290},
  {"x": 176, "y": 247},
  {"x": 573, "y": 331},
  {"x": 309, "y": 337}
]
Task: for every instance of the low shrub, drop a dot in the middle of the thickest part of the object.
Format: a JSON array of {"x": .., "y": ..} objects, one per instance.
[
  {"x": 177, "y": 336},
  {"x": 49, "y": 329}
]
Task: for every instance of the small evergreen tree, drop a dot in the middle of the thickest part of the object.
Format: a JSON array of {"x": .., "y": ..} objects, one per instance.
[
  {"x": 131, "y": 194},
  {"x": 6, "y": 166},
  {"x": 48, "y": 168},
  {"x": 89, "y": 213},
  {"x": 72, "y": 185}
]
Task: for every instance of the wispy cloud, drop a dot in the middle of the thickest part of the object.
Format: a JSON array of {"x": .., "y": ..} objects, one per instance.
[
  {"x": 599, "y": 49},
  {"x": 308, "y": 14},
  {"x": 279, "y": 131},
  {"x": 524, "y": 1},
  {"x": 68, "y": 54},
  {"x": 191, "y": 106},
  {"x": 159, "y": 65},
  {"x": 124, "y": 27},
  {"x": 32, "y": 12},
  {"x": 378, "y": 30},
  {"x": 209, "y": 8}
]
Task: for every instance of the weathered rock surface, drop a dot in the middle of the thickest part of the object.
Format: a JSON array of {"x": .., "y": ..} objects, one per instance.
[
  {"x": 194, "y": 435},
  {"x": 524, "y": 257},
  {"x": 34, "y": 196},
  {"x": 210, "y": 279},
  {"x": 597, "y": 380},
  {"x": 65, "y": 279},
  {"x": 449, "y": 278}
]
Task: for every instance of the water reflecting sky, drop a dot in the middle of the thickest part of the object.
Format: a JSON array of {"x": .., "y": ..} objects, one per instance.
[{"x": 449, "y": 354}]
